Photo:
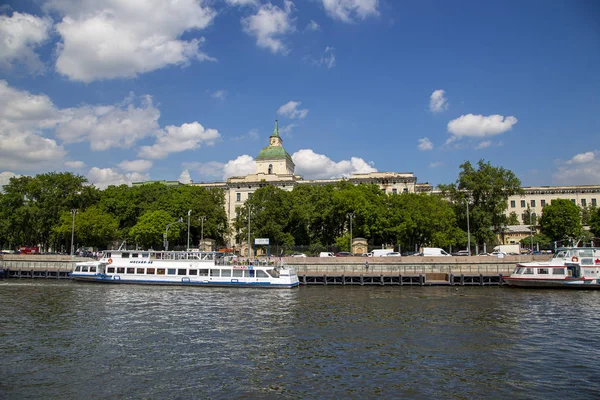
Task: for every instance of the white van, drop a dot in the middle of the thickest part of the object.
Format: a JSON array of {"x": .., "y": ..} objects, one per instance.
[
  {"x": 381, "y": 252},
  {"x": 326, "y": 254},
  {"x": 434, "y": 252}
]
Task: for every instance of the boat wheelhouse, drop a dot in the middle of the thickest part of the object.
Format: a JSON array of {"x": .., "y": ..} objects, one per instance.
[
  {"x": 574, "y": 267},
  {"x": 183, "y": 268}
]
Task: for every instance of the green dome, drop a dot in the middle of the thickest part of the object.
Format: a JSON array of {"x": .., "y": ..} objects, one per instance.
[{"x": 273, "y": 153}]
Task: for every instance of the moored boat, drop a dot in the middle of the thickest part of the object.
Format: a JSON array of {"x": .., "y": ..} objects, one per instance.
[
  {"x": 573, "y": 268},
  {"x": 191, "y": 268}
]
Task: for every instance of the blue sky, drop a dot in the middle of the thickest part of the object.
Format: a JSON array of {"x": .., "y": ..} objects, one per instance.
[{"x": 121, "y": 92}]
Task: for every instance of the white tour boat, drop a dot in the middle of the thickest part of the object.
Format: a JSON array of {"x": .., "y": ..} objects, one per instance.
[
  {"x": 572, "y": 267},
  {"x": 191, "y": 268}
]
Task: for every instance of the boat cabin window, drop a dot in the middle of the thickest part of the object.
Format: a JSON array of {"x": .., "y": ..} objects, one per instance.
[
  {"x": 226, "y": 273},
  {"x": 574, "y": 271},
  {"x": 131, "y": 270},
  {"x": 203, "y": 272},
  {"x": 193, "y": 272},
  {"x": 84, "y": 268},
  {"x": 170, "y": 271},
  {"x": 561, "y": 254},
  {"x": 238, "y": 273},
  {"x": 528, "y": 271},
  {"x": 134, "y": 255},
  {"x": 542, "y": 271},
  {"x": 274, "y": 273},
  {"x": 587, "y": 261},
  {"x": 120, "y": 270},
  {"x": 77, "y": 268},
  {"x": 182, "y": 271},
  {"x": 519, "y": 270},
  {"x": 107, "y": 255},
  {"x": 160, "y": 271},
  {"x": 93, "y": 268},
  {"x": 124, "y": 255},
  {"x": 261, "y": 274},
  {"x": 140, "y": 271},
  {"x": 214, "y": 272},
  {"x": 558, "y": 271},
  {"x": 110, "y": 270},
  {"x": 150, "y": 271}
]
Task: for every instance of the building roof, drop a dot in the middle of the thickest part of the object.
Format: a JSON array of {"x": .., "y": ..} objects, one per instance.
[{"x": 274, "y": 152}]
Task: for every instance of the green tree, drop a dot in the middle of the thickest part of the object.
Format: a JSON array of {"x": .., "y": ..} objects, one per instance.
[
  {"x": 513, "y": 219},
  {"x": 561, "y": 220},
  {"x": 486, "y": 190},
  {"x": 595, "y": 223},
  {"x": 148, "y": 232},
  {"x": 93, "y": 228}
]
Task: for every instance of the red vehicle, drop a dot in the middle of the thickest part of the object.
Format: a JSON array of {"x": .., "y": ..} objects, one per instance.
[{"x": 29, "y": 250}]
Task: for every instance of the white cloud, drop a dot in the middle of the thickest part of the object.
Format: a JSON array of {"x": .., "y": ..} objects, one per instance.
[
  {"x": 209, "y": 170},
  {"x": 287, "y": 129},
  {"x": 120, "y": 125},
  {"x": 438, "y": 102},
  {"x": 290, "y": 110},
  {"x": 479, "y": 126},
  {"x": 241, "y": 166},
  {"x": 312, "y": 26},
  {"x": 348, "y": 10},
  {"x": 328, "y": 58},
  {"x": 219, "y": 94},
  {"x": 269, "y": 24},
  {"x": 74, "y": 164},
  {"x": 185, "y": 177},
  {"x": 425, "y": 144},
  {"x": 105, "y": 177},
  {"x": 5, "y": 178},
  {"x": 318, "y": 166},
  {"x": 483, "y": 145},
  {"x": 120, "y": 38},
  {"x": 174, "y": 139},
  {"x": 19, "y": 36},
  {"x": 242, "y": 2},
  {"x": 135, "y": 166},
  {"x": 582, "y": 169},
  {"x": 436, "y": 164},
  {"x": 582, "y": 158},
  {"x": 23, "y": 119}
]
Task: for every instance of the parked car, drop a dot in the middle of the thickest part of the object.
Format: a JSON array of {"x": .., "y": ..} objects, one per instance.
[
  {"x": 392, "y": 254},
  {"x": 298, "y": 255},
  {"x": 461, "y": 253},
  {"x": 410, "y": 253},
  {"x": 500, "y": 254},
  {"x": 326, "y": 254},
  {"x": 343, "y": 254}
]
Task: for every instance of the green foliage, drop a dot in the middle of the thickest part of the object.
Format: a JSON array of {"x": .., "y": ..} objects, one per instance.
[
  {"x": 148, "y": 232},
  {"x": 538, "y": 239},
  {"x": 486, "y": 190},
  {"x": 587, "y": 214},
  {"x": 561, "y": 220},
  {"x": 513, "y": 219},
  {"x": 595, "y": 223},
  {"x": 529, "y": 217}
]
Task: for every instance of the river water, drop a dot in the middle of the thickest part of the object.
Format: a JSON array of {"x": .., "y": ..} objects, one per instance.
[{"x": 69, "y": 340}]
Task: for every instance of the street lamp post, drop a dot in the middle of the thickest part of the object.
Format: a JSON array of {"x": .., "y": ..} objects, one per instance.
[
  {"x": 530, "y": 232},
  {"x": 351, "y": 215},
  {"x": 249, "y": 211},
  {"x": 166, "y": 237},
  {"x": 468, "y": 230},
  {"x": 188, "y": 236},
  {"x": 202, "y": 218},
  {"x": 74, "y": 212}
]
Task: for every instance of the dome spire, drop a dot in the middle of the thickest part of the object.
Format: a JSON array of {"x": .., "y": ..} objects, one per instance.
[{"x": 276, "y": 130}]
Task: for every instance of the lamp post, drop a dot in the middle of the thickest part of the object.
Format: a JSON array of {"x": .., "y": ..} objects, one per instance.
[
  {"x": 188, "y": 237},
  {"x": 351, "y": 215},
  {"x": 202, "y": 218},
  {"x": 166, "y": 240},
  {"x": 74, "y": 212},
  {"x": 249, "y": 211},
  {"x": 530, "y": 231},
  {"x": 468, "y": 230}
]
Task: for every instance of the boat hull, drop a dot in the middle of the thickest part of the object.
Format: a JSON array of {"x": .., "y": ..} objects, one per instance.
[
  {"x": 587, "y": 284},
  {"x": 108, "y": 279}
]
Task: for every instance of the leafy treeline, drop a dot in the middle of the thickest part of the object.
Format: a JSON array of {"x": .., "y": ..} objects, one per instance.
[{"x": 38, "y": 211}]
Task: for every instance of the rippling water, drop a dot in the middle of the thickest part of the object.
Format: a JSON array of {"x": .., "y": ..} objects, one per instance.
[{"x": 68, "y": 340}]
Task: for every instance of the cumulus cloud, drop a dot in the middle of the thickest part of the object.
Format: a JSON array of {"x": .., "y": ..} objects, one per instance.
[
  {"x": 436, "y": 164},
  {"x": 20, "y": 35},
  {"x": 105, "y": 177},
  {"x": 219, "y": 94},
  {"x": 24, "y": 117},
  {"x": 74, "y": 164},
  {"x": 185, "y": 177},
  {"x": 242, "y": 2},
  {"x": 438, "y": 102},
  {"x": 241, "y": 166},
  {"x": 582, "y": 169},
  {"x": 5, "y": 178},
  {"x": 287, "y": 130},
  {"x": 290, "y": 110},
  {"x": 210, "y": 170},
  {"x": 107, "y": 126},
  {"x": 327, "y": 59},
  {"x": 135, "y": 166},
  {"x": 425, "y": 144},
  {"x": 483, "y": 145},
  {"x": 175, "y": 139},
  {"x": 348, "y": 10},
  {"x": 312, "y": 26},
  {"x": 318, "y": 166},
  {"x": 120, "y": 38},
  {"x": 269, "y": 24},
  {"x": 479, "y": 126}
]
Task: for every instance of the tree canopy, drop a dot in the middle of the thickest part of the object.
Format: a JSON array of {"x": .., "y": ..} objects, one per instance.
[{"x": 561, "y": 220}]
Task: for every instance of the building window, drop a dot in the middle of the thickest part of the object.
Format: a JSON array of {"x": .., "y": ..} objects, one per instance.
[
  {"x": 270, "y": 169},
  {"x": 543, "y": 203},
  {"x": 238, "y": 197},
  {"x": 523, "y": 204},
  {"x": 394, "y": 191},
  {"x": 532, "y": 203},
  {"x": 573, "y": 201},
  {"x": 383, "y": 190},
  {"x": 405, "y": 190},
  {"x": 513, "y": 204},
  {"x": 594, "y": 202},
  {"x": 249, "y": 195},
  {"x": 583, "y": 202}
]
